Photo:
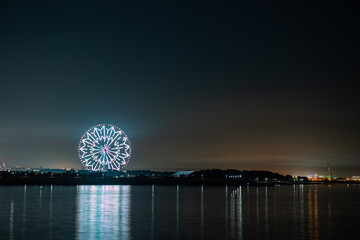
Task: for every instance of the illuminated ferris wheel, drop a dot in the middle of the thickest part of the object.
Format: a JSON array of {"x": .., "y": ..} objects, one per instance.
[{"x": 104, "y": 147}]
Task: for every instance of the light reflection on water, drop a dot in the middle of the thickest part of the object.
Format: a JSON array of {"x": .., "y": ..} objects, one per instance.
[
  {"x": 152, "y": 210},
  {"x": 11, "y": 222},
  {"x": 178, "y": 212},
  {"x": 103, "y": 212}
]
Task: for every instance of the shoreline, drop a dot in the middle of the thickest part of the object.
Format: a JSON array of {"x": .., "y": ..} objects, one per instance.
[{"x": 144, "y": 181}]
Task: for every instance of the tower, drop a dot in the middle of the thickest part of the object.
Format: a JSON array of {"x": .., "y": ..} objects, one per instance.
[{"x": 330, "y": 174}]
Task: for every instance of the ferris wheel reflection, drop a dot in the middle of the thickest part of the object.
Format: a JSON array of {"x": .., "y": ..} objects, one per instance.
[{"x": 103, "y": 212}]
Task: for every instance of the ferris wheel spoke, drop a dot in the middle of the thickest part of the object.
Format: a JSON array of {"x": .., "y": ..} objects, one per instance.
[
  {"x": 112, "y": 152},
  {"x": 109, "y": 154},
  {"x": 97, "y": 151},
  {"x": 97, "y": 146}
]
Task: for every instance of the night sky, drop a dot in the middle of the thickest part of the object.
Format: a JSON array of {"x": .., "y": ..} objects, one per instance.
[{"x": 195, "y": 85}]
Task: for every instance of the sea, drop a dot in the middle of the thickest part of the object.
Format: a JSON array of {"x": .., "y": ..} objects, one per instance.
[{"x": 87, "y": 212}]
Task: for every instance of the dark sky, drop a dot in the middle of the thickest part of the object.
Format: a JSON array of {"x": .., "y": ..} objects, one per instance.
[{"x": 195, "y": 85}]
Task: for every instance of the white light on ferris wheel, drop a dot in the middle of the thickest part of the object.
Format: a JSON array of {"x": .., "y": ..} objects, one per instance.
[{"x": 104, "y": 147}]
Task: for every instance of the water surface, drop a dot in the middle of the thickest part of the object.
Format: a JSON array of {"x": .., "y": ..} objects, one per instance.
[{"x": 179, "y": 212}]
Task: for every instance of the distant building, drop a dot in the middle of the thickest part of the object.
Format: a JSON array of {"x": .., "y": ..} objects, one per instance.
[
  {"x": 302, "y": 179},
  {"x": 355, "y": 178},
  {"x": 54, "y": 171},
  {"x": 84, "y": 172},
  {"x": 182, "y": 174},
  {"x": 19, "y": 169}
]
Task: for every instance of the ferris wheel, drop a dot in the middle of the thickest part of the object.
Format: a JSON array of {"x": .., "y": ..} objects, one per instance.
[{"x": 104, "y": 147}]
